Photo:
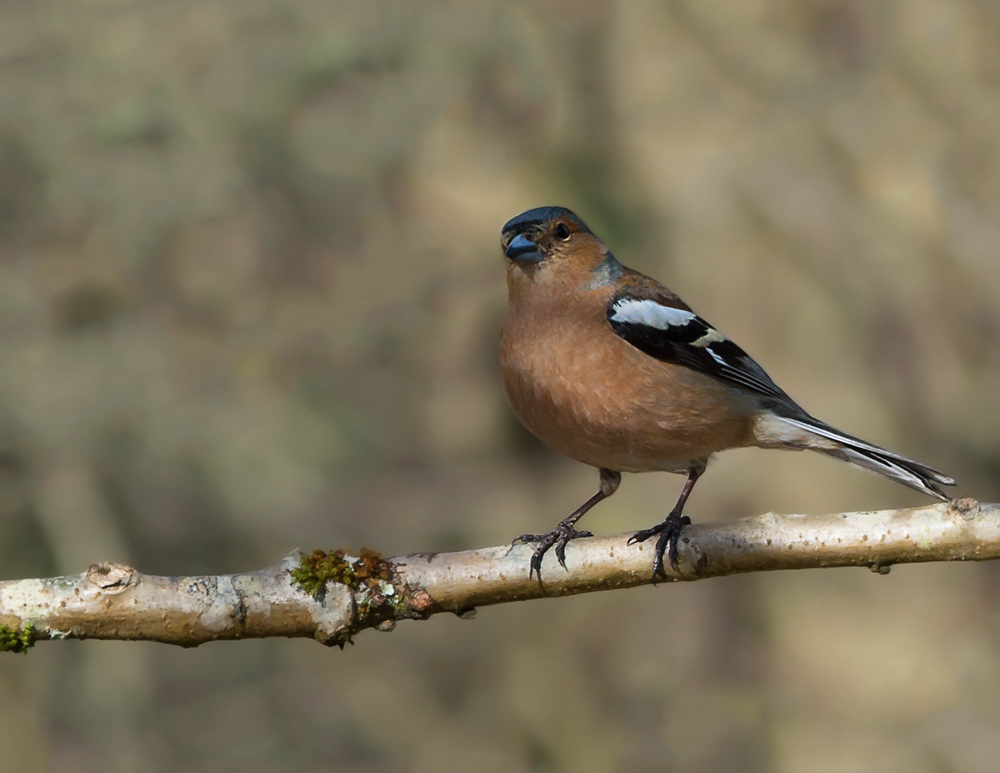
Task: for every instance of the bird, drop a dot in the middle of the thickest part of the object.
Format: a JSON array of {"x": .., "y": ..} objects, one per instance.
[{"x": 612, "y": 369}]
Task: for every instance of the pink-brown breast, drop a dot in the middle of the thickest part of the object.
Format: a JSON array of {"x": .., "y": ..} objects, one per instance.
[{"x": 587, "y": 393}]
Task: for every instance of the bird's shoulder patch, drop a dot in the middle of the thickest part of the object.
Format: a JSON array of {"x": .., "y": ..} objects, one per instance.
[
  {"x": 605, "y": 274},
  {"x": 667, "y": 330}
]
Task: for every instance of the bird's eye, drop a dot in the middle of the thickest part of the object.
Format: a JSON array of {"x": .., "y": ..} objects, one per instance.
[{"x": 562, "y": 232}]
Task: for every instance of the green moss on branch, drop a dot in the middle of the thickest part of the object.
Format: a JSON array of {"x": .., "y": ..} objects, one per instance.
[
  {"x": 16, "y": 640},
  {"x": 319, "y": 567}
]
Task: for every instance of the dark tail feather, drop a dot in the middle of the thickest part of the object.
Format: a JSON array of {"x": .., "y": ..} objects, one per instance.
[{"x": 874, "y": 459}]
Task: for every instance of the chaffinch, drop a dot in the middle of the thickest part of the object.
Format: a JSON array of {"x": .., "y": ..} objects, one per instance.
[{"x": 614, "y": 370}]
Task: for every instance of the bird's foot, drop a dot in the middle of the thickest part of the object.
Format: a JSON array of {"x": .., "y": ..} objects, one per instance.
[
  {"x": 558, "y": 537},
  {"x": 670, "y": 532}
]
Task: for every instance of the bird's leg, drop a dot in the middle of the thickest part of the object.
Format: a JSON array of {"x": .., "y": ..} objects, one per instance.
[
  {"x": 670, "y": 529},
  {"x": 565, "y": 531}
]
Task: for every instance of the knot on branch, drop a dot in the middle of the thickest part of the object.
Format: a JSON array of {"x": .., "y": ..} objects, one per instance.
[
  {"x": 111, "y": 578},
  {"x": 967, "y": 507}
]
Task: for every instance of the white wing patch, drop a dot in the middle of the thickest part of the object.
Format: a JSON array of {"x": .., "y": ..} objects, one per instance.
[
  {"x": 715, "y": 357},
  {"x": 713, "y": 336},
  {"x": 651, "y": 314}
]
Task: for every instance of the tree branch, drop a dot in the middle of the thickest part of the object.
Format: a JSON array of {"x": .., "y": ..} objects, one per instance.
[{"x": 331, "y": 597}]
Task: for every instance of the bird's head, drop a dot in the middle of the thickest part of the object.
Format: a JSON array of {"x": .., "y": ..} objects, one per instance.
[{"x": 549, "y": 236}]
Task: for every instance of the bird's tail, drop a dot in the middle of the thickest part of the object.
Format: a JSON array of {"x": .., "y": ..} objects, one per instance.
[{"x": 866, "y": 456}]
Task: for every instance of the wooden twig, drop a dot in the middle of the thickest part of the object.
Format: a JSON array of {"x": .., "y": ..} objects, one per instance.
[{"x": 331, "y": 597}]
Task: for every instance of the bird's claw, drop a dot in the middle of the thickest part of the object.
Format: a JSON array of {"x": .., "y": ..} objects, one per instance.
[
  {"x": 559, "y": 537},
  {"x": 670, "y": 532}
]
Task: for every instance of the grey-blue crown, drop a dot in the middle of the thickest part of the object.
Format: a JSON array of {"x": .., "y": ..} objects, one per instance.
[{"x": 538, "y": 217}]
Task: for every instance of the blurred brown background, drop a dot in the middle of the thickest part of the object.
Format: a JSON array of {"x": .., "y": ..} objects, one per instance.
[{"x": 250, "y": 292}]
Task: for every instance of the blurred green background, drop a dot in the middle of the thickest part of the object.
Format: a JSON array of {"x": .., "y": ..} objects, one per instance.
[{"x": 250, "y": 293}]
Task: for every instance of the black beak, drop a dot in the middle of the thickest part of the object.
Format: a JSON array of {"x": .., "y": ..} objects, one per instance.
[{"x": 522, "y": 250}]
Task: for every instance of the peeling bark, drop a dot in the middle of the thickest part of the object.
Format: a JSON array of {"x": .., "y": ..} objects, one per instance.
[{"x": 111, "y": 601}]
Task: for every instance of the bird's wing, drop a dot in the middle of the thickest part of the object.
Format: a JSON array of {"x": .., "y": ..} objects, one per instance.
[{"x": 659, "y": 324}]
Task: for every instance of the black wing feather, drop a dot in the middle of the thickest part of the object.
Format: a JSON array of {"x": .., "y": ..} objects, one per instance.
[{"x": 721, "y": 359}]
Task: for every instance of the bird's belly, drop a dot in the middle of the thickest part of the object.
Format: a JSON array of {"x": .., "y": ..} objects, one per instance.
[{"x": 619, "y": 414}]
